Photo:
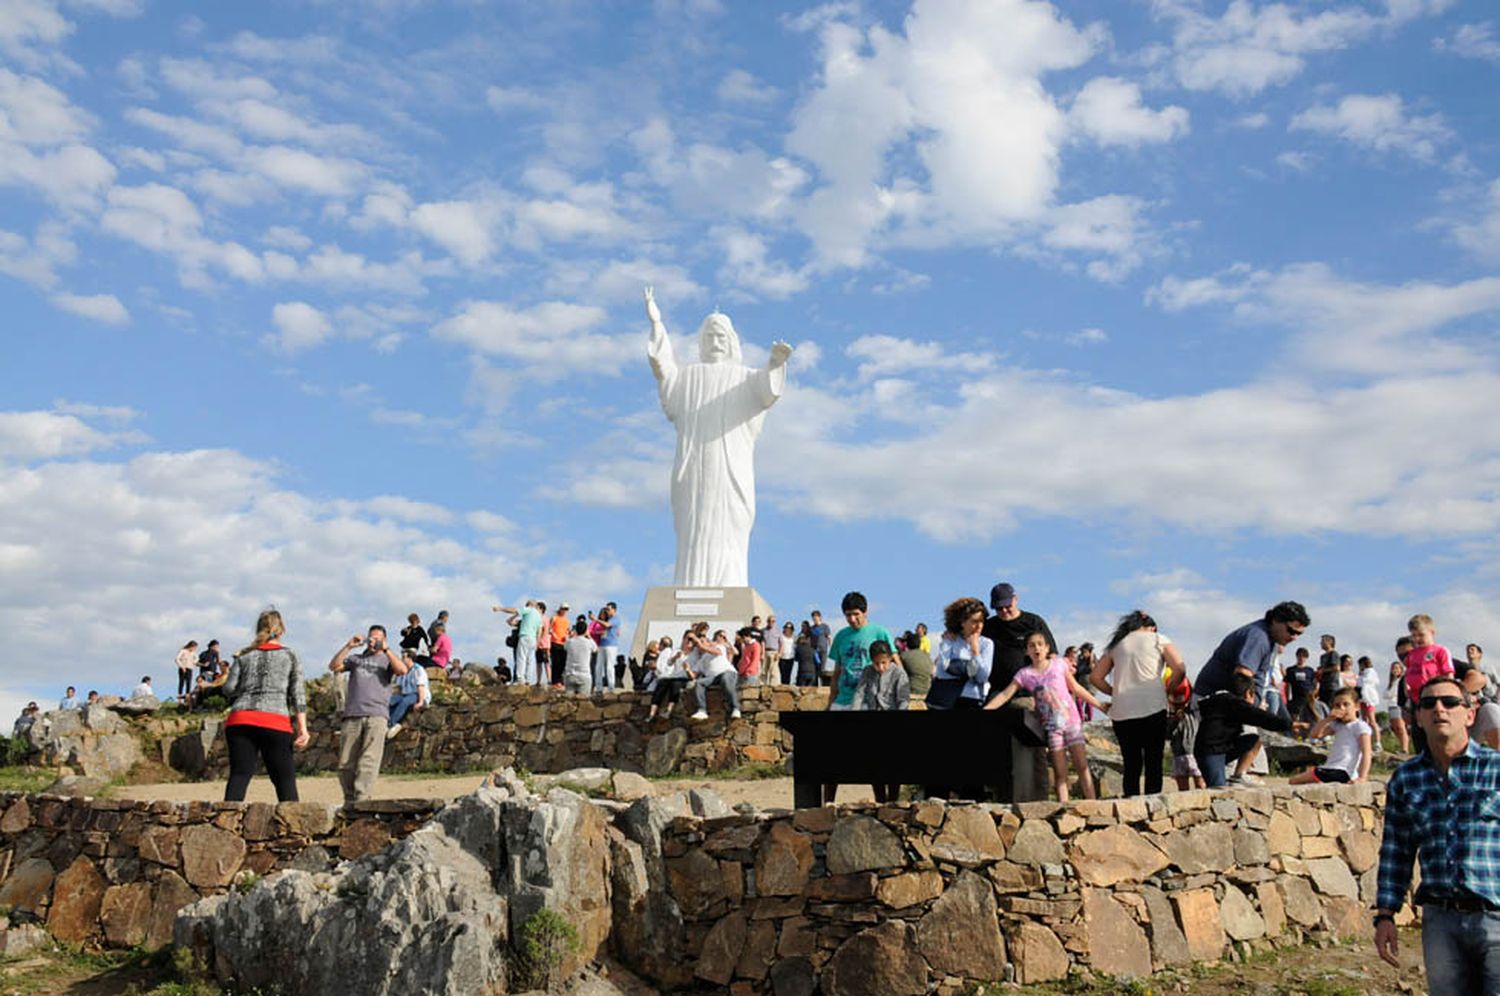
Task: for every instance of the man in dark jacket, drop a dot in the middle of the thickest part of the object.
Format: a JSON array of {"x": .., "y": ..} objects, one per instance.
[{"x": 1021, "y": 774}]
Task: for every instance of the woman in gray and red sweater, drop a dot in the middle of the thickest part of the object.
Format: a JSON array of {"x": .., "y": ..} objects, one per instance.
[{"x": 265, "y": 691}]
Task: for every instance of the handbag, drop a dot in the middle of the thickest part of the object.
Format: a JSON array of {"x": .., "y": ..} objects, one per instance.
[{"x": 944, "y": 693}]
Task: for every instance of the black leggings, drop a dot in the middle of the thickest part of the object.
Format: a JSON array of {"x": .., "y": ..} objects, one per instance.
[
  {"x": 248, "y": 745},
  {"x": 1141, "y": 743},
  {"x": 184, "y": 683},
  {"x": 667, "y": 691}
]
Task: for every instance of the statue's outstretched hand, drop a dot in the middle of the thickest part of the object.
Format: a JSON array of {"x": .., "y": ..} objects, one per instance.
[
  {"x": 780, "y": 351},
  {"x": 652, "y": 311}
]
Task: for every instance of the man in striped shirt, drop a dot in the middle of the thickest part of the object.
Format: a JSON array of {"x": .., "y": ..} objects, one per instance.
[{"x": 1443, "y": 809}]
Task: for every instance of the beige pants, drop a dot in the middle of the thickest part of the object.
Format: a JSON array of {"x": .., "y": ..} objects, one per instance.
[{"x": 361, "y": 746}]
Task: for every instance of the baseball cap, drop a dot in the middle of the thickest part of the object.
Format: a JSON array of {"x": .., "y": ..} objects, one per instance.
[{"x": 1001, "y": 595}]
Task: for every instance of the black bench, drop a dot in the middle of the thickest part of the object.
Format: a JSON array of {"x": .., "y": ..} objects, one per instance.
[{"x": 920, "y": 747}]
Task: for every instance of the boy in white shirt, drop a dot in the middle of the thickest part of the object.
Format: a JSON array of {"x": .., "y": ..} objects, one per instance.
[{"x": 1349, "y": 757}]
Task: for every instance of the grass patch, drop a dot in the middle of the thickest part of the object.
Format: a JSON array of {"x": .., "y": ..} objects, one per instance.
[
  {"x": 25, "y": 778},
  {"x": 759, "y": 771}
]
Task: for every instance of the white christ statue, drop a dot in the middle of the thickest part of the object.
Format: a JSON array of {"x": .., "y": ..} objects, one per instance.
[{"x": 717, "y": 405}]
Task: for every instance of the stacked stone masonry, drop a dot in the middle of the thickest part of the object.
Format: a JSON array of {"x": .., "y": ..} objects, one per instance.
[
  {"x": 472, "y": 726},
  {"x": 99, "y": 872},
  {"x": 908, "y": 898}
]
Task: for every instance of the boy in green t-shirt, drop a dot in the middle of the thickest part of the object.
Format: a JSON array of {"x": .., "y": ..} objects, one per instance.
[{"x": 850, "y": 654}]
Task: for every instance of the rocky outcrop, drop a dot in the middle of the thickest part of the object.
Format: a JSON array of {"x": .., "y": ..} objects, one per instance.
[
  {"x": 93, "y": 741},
  {"x": 434, "y": 913}
]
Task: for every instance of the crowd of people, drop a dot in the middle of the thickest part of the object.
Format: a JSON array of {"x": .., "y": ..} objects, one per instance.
[{"x": 1442, "y": 802}]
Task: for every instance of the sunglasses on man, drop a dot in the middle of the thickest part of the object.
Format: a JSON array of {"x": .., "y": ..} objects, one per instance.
[{"x": 1448, "y": 701}]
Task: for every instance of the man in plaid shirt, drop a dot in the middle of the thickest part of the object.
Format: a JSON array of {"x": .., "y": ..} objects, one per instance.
[{"x": 1443, "y": 808}]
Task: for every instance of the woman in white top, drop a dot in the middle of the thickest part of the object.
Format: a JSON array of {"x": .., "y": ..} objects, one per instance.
[
  {"x": 787, "y": 653},
  {"x": 187, "y": 657},
  {"x": 671, "y": 678},
  {"x": 1136, "y": 656}
]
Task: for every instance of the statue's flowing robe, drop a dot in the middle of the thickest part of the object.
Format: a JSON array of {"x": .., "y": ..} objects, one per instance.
[{"x": 718, "y": 409}]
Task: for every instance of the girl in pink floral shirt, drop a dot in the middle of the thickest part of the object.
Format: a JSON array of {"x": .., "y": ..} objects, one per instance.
[{"x": 1050, "y": 680}]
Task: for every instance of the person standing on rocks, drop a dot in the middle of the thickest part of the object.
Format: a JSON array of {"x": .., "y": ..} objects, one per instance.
[
  {"x": 1020, "y": 761},
  {"x": 1252, "y": 650},
  {"x": 528, "y": 623},
  {"x": 1441, "y": 809},
  {"x": 264, "y": 688},
  {"x": 366, "y": 709},
  {"x": 69, "y": 700},
  {"x": 187, "y": 657}
]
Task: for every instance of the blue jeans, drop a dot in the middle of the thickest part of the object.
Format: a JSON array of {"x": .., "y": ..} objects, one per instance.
[
  {"x": 401, "y": 705},
  {"x": 1214, "y": 766},
  {"x": 727, "y": 681},
  {"x": 1462, "y": 952},
  {"x": 604, "y": 667}
]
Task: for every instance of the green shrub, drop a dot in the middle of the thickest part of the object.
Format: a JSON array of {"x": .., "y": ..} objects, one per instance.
[{"x": 546, "y": 940}]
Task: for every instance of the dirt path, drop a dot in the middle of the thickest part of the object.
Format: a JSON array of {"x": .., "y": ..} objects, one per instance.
[{"x": 762, "y": 793}]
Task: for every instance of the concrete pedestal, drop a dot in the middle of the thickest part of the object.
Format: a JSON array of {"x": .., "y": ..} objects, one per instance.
[{"x": 668, "y": 611}]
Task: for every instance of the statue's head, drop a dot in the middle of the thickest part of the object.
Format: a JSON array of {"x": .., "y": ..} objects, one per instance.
[{"x": 717, "y": 342}]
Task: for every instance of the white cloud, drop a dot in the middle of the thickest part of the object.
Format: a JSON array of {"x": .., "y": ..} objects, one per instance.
[
  {"x": 39, "y": 435},
  {"x": 715, "y": 181},
  {"x": 1343, "y": 326},
  {"x": 36, "y": 260},
  {"x": 1108, "y": 227},
  {"x": 104, "y": 308},
  {"x": 1109, "y": 110},
  {"x": 1252, "y": 46},
  {"x": 26, "y": 25},
  {"x": 1297, "y": 161},
  {"x": 961, "y": 90},
  {"x": 299, "y": 326},
  {"x": 1477, "y": 228},
  {"x": 163, "y": 219},
  {"x": 1472, "y": 41},
  {"x": 1377, "y": 122},
  {"x": 507, "y": 98},
  {"x": 463, "y": 228},
  {"x": 549, "y": 340},
  {"x": 741, "y": 87},
  {"x": 33, "y": 112},
  {"x": 747, "y": 265},
  {"x": 194, "y": 544}
]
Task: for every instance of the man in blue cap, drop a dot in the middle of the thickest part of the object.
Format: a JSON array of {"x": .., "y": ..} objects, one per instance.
[{"x": 1020, "y": 760}]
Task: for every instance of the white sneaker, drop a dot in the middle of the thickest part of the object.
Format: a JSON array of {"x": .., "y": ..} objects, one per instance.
[
  {"x": 700, "y": 714},
  {"x": 735, "y": 714},
  {"x": 391, "y": 733}
]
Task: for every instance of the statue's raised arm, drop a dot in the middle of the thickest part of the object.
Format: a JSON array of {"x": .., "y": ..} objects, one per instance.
[{"x": 659, "y": 346}]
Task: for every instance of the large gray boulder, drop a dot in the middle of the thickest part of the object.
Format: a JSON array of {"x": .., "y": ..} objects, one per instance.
[
  {"x": 434, "y": 913},
  {"x": 137, "y": 705},
  {"x": 93, "y": 741}
]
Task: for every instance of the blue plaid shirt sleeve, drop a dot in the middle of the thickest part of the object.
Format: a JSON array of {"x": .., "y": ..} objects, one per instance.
[{"x": 1397, "y": 850}]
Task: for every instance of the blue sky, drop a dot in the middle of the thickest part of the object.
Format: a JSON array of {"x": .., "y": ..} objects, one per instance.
[{"x": 1161, "y": 304}]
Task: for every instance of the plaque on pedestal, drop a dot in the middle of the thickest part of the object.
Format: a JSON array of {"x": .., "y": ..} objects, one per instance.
[{"x": 669, "y": 610}]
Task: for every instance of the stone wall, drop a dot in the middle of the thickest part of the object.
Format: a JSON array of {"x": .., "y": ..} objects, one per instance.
[
  {"x": 473, "y": 726},
  {"x": 106, "y": 872},
  {"x": 897, "y": 899}
]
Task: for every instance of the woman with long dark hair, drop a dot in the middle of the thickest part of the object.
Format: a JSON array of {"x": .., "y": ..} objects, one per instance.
[
  {"x": 265, "y": 691},
  {"x": 1137, "y": 655}
]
